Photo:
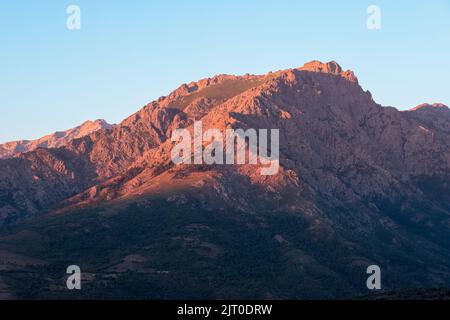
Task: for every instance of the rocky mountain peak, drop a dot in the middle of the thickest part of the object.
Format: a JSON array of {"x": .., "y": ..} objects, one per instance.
[
  {"x": 316, "y": 66},
  {"x": 427, "y": 106},
  {"x": 331, "y": 67}
]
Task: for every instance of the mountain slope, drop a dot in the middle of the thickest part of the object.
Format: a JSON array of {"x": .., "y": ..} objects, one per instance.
[{"x": 358, "y": 184}]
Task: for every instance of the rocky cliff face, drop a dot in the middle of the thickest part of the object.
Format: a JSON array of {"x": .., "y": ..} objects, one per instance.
[{"x": 370, "y": 180}]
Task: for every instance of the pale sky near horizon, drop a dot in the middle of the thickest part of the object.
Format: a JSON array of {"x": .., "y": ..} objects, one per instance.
[{"x": 130, "y": 53}]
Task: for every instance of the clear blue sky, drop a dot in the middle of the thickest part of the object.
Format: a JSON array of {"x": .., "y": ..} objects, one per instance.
[{"x": 128, "y": 53}]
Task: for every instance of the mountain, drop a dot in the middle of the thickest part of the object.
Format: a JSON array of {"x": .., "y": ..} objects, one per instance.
[
  {"x": 54, "y": 140},
  {"x": 358, "y": 184}
]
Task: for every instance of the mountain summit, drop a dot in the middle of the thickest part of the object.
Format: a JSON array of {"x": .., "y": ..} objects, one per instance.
[{"x": 331, "y": 67}]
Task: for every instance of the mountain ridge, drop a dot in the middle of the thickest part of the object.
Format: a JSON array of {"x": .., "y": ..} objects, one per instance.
[
  {"x": 54, "y": 140},
  {"x": 358, "y": 184}
]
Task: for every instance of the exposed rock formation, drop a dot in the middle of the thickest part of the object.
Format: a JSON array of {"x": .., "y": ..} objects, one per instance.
[{"x": 55, "y": 140}]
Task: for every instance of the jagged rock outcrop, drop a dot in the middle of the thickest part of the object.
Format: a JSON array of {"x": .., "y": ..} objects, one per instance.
[{"x": 54, "y": 140}]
